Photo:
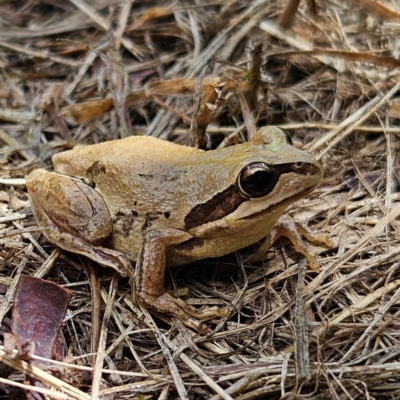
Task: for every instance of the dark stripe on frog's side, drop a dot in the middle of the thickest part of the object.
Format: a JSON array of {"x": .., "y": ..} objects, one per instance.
[{"x": 219, "y": 206}]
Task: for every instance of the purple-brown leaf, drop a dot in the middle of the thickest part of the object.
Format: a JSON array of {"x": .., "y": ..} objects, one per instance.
[{"x": 39, "y": 308}]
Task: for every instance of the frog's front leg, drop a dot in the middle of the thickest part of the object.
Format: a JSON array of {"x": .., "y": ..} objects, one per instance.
[
  {"x": 74, "y": 217},
  {"x": 150, "y": 272},
  {"x": 292, "y": 230}
]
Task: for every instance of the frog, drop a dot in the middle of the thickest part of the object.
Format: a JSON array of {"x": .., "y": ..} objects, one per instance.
[{"x": 157, "y": 204}]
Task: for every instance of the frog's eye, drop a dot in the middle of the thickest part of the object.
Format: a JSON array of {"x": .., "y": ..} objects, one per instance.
[
  {"x": 257, "y": 179},
  {"x": 288, "y": 137}
]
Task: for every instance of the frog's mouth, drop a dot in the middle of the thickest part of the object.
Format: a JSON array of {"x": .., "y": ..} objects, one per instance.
[{"x": 281, "y": 205}]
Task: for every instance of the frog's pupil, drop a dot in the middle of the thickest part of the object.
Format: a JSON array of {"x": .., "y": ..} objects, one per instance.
[{"x": 257, "y": 179}]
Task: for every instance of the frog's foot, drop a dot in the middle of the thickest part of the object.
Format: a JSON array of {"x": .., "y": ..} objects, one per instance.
[
  {"x": 149, "y": 282},
  {"x": 175, "y": 307},
  {"x": 74, "y": 216},
  {"x": 292, "y": 230}
]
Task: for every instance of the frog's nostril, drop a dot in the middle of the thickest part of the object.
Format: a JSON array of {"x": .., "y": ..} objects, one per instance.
[
  {"x": 305, "y": 168},
  {"x": 298, "y": 166}
]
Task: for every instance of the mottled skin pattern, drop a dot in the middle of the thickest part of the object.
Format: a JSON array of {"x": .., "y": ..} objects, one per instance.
[{"x": 162, "y": 204}]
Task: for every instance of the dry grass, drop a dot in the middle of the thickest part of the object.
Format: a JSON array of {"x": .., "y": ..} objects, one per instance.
[{"x": 89, "y": 72}]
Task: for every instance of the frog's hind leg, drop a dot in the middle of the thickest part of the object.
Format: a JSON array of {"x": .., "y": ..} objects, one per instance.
[{"x": 73, "y": 216}]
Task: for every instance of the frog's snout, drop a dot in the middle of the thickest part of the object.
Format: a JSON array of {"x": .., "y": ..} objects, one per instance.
[{"x": 308, "y": 169}]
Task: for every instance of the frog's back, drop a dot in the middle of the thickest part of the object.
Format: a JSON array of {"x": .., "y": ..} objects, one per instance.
[
  {"x": 127, "y": 153},
  {"x": 147, "y": 183},
  {"x": 159, "y": 173}
]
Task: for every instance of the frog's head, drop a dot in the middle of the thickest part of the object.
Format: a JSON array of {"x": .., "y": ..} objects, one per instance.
[
  {"x": 276, "y": 174},
  {"x": 266, "y": 175}
]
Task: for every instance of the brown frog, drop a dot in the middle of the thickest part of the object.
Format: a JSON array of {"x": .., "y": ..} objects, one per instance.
[{"x": 160, "y": 204}]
